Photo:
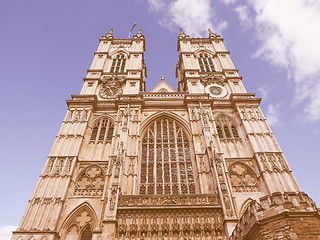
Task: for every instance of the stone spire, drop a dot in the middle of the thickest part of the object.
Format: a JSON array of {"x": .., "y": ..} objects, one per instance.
[
  {"x": 182, "y": 34},
  {"x": 212, "y": 34},
  {"x": 110, "y": 34},
  {"x": 139, "y": 34}
]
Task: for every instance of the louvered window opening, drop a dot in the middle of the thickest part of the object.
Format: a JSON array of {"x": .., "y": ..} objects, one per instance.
[
  {"x": 227, "y": 132},
  {"x": 118, "y": 64},
  {"x": 102, "y": 131},
  {"x": 205, "y": 62},
  {"x": 166, "y": 166}
]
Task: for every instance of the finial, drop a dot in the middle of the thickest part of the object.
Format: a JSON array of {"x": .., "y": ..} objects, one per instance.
[
  {"x": 110, "y": 34},
  {"x": 139, "y": 34},
  {"x": 182, "y": 34},
  {"x": 212, "y": 34},
  {"x": 162, "y": 78}
]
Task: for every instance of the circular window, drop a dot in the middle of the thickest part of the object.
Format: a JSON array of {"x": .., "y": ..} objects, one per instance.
[
  {"x": 216, "y": 91},
  {"x": 107, "y": 92}
]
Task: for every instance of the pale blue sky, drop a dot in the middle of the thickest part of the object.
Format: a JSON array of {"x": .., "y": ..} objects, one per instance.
[{"x": 47, "y": 46}]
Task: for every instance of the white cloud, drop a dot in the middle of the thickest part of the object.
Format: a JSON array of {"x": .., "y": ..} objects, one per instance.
[
  {"x": 194, "y": 17},
  {"x": 228, "y": 1},
  {"x": 6, "y": 232},
  {"x": 289, "y": 35},
  {"x": 264, "y": 91},
  {"x": 244, "y": 16},
  {"x": 273, "y": 115},
  {"x": 156, "y": 5}
]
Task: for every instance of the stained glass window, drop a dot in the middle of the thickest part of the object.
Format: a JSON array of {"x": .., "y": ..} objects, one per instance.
[{"x": 166, "y": 166}]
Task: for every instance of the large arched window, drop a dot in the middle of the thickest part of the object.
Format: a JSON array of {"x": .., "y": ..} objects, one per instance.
[
  {"x": 102, "y": 130},
  {"x": 118, "y": 63},
  {"x": 205, "y": 62},
  {"x": 166, "y": 166}
]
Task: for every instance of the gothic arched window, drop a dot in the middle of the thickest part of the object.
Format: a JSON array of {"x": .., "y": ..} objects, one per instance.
[
  {"x": 226, "y": 127},
  {"x": 166, "y": 165},
  {"x": 102, "y": 130},
  {"x": 86, "y": 234},
  {"x": 205, "y": 62},
  {"x": 118, "y": 63}
]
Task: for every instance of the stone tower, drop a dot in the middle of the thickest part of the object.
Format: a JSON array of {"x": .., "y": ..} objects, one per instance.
[{"x": 197, "y": 163}]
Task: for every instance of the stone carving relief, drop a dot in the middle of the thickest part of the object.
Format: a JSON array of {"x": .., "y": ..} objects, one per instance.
[
  {"x": 251, "y": 113},
  {"x": 90, "y": 182},
  {"x": 195, "y": 199},
  {"x": 77, "y": 115},
  {"x": 223, "y": 187},
  {"x": 111, "y": 86},
  {"x": 56, "y": 167},
  {"x": 273, "y": 162},
  {"x": 208, "y": 79},
  {"x": 203, "y": 224},
  {"x": 242, "y": 178}
]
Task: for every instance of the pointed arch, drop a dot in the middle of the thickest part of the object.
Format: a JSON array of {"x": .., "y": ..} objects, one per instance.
[
  {"x": 82, "y": 216},
  {"x": 119, "y": 51},
  {"x": 202, "y": 50},
  {"x": 205, "y": 60},
  {"x": 243, "y": 178},
  {"x": 119, "y": 59},
  {"x": 102, "y": 129},
  {"x": 90, "y": 181},
  {"x": 167, "y": 165},
  {"x": 244, "y": 206},
  {"x": 226, "y": 126},
  {"x": 172, "y": 115},
  {"x": 93, "y": 122},
  {"x": 86, "y": 233}
]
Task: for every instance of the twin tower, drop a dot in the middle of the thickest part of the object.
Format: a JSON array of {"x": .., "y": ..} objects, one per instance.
[{"x": 197, "y": 163}]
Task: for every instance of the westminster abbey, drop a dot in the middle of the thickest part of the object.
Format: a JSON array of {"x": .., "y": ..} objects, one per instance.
[{"x": 199, "y": 163}]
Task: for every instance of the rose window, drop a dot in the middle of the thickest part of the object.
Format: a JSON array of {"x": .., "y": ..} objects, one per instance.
[{"x": 215, "y": 91}]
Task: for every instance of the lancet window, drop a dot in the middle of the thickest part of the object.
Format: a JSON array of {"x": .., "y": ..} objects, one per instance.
[
  {"x": 226, "y": 127},
  {"x": 102, "y": 131},
  {"x": 166, "y": 165},
  {"x": 86, "y": 234},
  {"x": 118, "y": 63},
  {"x": 205, "y": 62}
]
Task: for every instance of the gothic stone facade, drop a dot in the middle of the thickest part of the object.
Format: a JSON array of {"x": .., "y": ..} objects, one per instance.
[{"x": 197, "y": 163}]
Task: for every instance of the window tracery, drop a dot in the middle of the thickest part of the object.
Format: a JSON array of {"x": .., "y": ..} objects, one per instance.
[
  {"x": 205, "y": 62},
  {"x": 118, "y": 63},
  {"x": 102, "y": 131},
  {"x": 226, "y": 127},
  {"x": 90, "y": 182},
  {"x": 166, "y": 166},
  {"x": 80, "y": 225},
  {"x": 242, "y": 178}
]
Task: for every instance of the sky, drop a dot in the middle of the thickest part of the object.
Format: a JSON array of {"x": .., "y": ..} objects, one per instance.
[{"x": 47, "y": 46}]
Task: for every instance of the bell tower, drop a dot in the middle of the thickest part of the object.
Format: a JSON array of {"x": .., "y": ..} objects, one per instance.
[{"x": 197, "y": 163}]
